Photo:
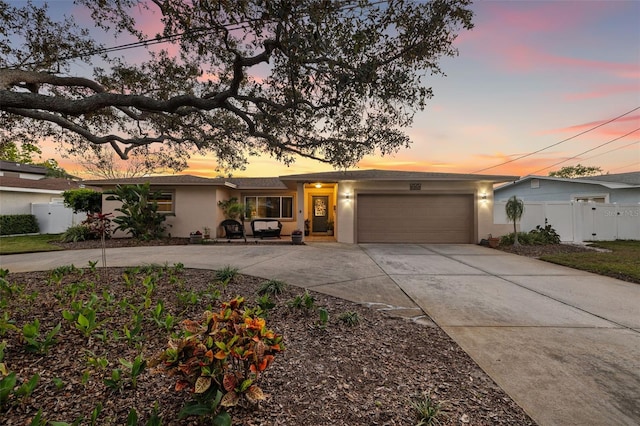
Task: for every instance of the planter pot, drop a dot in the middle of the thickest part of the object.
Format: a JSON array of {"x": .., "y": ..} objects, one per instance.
[
  {"x": 494, "y": 242},
  {"x": 195, "y": 239},
  {"x": 296, "y": 238},
  {"x": 330, "y": 232}
]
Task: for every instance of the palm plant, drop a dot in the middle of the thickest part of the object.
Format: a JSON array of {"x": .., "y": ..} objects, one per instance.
[{"x": 514, "y": 210}]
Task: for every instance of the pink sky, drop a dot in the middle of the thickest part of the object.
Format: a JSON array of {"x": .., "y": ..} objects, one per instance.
[{"x": 529, "y": 75}]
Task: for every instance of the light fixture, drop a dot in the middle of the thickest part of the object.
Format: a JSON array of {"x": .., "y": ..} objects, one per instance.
[
  {"x": 347, "y": 196},
  {"x": 483, "y": 197},
  {"x": 318, "y": 185}
]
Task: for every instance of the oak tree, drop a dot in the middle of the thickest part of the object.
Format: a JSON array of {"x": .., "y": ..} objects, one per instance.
[{"x": 328, "y": 80}]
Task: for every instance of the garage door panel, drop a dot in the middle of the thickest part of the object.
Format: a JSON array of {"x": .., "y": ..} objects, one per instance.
[{"x": 434, "y": 218}]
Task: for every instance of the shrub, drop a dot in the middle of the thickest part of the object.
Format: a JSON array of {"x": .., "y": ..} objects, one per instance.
[
  {"x": 540, "y": 236},
  {"x": 272, "y": 287},
  {"x": 76, "y": 233},
  {"x": 18, "y": 224},
  {"x": 140, "y": 216},
  {"x": 83, "y": 200},
  {"x": 546, "y": 235},
  {"x": 221, "y": 358}
]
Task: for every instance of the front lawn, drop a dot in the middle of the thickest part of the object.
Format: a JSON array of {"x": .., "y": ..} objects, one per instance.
[
  {"x": 623, "y": 262},
  {"x": 28, "y": 243}
]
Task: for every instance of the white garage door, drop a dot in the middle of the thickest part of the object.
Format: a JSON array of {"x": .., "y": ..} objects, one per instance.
[{"x": 433, "y": 218}]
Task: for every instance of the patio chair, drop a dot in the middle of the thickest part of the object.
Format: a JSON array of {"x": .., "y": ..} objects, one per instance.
[{"x": 233, "y": 229}]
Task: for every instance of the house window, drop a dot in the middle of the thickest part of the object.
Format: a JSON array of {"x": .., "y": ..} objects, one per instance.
[
  {"x": 164, "y": 199},
  {"x": 269, "y": 207},
  {"x": 535, "y": 183}
]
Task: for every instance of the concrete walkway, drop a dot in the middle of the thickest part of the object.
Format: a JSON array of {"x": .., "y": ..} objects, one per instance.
[{"x": 564, "y": 344}]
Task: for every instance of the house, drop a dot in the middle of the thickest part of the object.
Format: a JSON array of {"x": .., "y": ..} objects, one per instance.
[
  {"x": 25, "y": 189},
  {"x": 22, "y": 171},
  {"x": 611, "y": 188},
  {"x": 590, "y": 208},
  {"x": 362, "y": 206}
]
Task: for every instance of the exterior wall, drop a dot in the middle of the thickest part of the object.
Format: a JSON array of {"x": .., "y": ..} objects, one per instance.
[
  {"x": 194, "y": 208},
  {"x": 549, "y": 190},
  {"x": 18, "y": 202},
  {"x": 346, "y": 197}
]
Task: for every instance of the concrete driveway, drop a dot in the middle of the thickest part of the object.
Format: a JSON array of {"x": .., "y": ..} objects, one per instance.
[{"x": 564, "y": 344}]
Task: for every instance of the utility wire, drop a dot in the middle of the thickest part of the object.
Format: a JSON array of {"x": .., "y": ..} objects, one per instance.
[
  {"x": 589, "y": 150},
  {"x": 178, "y": 36},
  {"x": 558, "y": 143},
  {"x": 611, "y": 150},
  {"x": 635, "y": 163}
]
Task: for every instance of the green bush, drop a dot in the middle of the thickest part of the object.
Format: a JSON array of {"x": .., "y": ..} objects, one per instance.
[
  {"x": 18, "y": 224},
  {"x": 140, "y": 216},
  {"x": 83, "y": 200},
  {"x": 76, "y": 233},
  {"x": 538, "y": 236},
  {"x": 546, "y": 235}
]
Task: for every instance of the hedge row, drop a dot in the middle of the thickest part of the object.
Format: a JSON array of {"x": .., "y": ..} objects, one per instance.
[{"x": 18, "y": 224}]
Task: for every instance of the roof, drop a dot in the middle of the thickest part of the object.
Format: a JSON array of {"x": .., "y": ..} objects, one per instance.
[
  {"x": 394, "y": 175},
  {"x": 52, "y": 184},
  {"x": 190, "y": 180},
  {"x": 159, "y": 180},
  {"x": 280, "y": 182},
  {"x": 10, "y": 166},
  {"x": 631, "y": 178},
  {"x": 619, "y": 181}
]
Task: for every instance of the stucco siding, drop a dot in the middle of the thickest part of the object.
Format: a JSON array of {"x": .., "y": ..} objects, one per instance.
[{"x": 20, "y": 202}]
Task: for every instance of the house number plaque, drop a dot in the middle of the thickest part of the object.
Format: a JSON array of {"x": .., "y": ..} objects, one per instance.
[{"x": 415, "y": 186}]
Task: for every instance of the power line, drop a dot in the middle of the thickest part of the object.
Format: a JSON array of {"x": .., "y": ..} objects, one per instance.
[
  {"x": 558, "y": 143},
  {"x": 635, "y": 163},
  {"x": 611, "y": 150},
  {"x": 589, "y": 150}
]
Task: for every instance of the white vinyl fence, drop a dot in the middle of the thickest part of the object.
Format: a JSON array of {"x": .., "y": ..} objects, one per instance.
[
  {"x": 578, "y": 221},
  {"x": 55, "y": 218}
]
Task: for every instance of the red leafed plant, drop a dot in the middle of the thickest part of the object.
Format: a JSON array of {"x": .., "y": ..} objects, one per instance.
[{"x": 223, "y": 352}]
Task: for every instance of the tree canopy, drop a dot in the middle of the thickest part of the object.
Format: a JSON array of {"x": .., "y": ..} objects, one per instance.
[
  {"x": 328, "y": 80},
  {"x": 576, "y": 171}
]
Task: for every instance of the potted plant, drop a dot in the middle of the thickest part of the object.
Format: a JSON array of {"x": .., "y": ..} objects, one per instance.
[
  {"x": 296, "y": 236},
  {"x": 307, "y": 227},
  {"x": 207, "y": 233},
  {"x": 195, "y": 237},
  {"x": 329, "y": 227}
]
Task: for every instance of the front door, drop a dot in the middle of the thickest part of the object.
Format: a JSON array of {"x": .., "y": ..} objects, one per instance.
[{"x": 320, "y": 213}]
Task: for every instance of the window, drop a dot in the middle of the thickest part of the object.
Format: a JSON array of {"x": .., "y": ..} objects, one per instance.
[
  {"x": 269, "y": 207},
  {"x": 164, "y": 199}
]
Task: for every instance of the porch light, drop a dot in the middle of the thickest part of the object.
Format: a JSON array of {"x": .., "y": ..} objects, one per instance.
[
  {"x": 483, "y": 197},
  {"x": 347, "y": 196},
  {"x": 318, "y": 185}
]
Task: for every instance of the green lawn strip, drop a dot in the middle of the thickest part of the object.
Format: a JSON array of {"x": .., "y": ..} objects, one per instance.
[
  {"x": 28, "y": 243},
  {"x": 622, "y": 263}
]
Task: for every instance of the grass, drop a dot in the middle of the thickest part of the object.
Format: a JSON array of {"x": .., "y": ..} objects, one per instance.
[
  {"x": 623, "y": 262},
  {"x": 28, "y": 243}
]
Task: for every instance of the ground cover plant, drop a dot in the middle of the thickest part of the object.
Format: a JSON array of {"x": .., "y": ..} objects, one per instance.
[{"x": 92, "y": 346}]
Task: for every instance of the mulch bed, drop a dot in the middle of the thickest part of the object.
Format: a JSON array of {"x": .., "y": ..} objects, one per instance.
[{"x": 331, "y": 374}]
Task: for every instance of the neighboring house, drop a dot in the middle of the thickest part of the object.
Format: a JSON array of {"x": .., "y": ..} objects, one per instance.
[
  {"x": 24, "y": 189},
  {"x": 364, "y": 206},
  {"x": 612, "y": 188},
  {"x": 23, "y": 171},
  {"x": 589, "y": 208}
]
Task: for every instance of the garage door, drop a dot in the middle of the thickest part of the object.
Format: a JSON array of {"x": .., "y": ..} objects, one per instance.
[{"x": 434, "y": 218}]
